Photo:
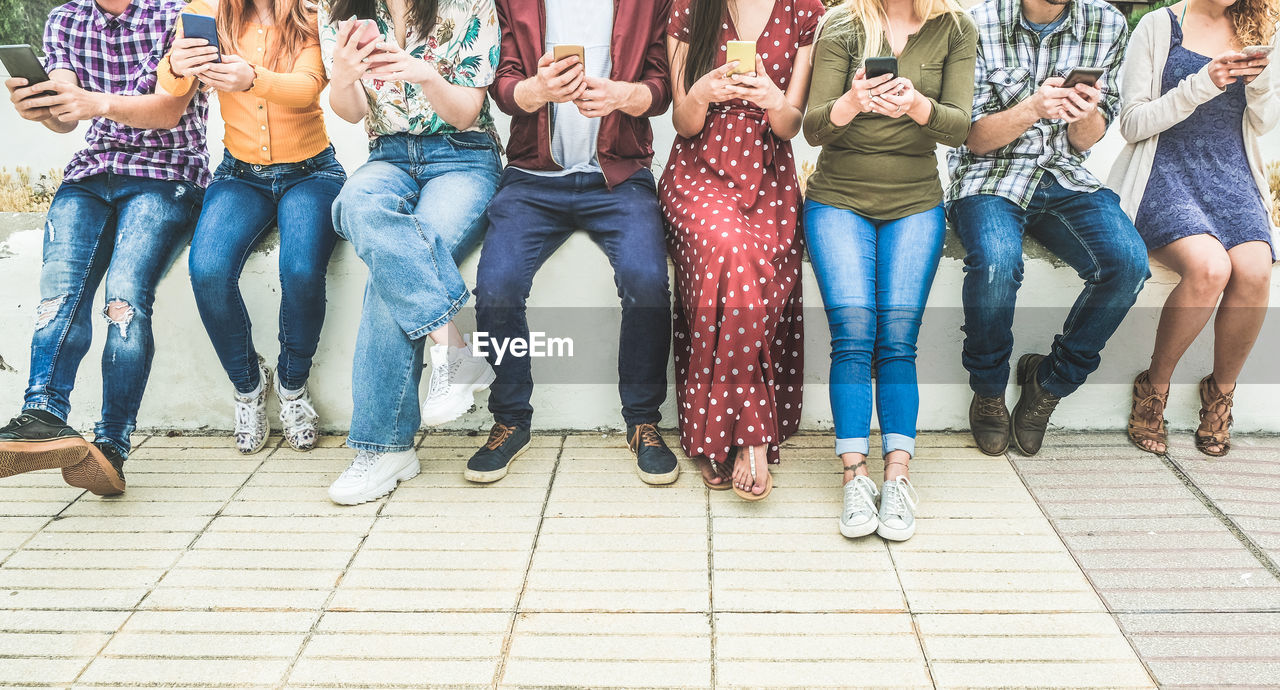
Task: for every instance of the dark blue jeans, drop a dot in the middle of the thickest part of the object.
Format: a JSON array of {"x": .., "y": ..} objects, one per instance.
[
  {"x": 244, "y": 202},
  {"x": 1090, "y": 233},
  {"x": 128, "y": 230},
  {"x": 529, "y": 218}
]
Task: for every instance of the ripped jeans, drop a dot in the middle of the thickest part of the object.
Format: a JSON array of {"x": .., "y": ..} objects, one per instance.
[
  {"x": 1090, "y": 233},
  {"x": 128, "y": 230}
]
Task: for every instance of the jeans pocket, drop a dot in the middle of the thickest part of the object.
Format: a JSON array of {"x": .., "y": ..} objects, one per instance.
[{"x": 472, "y": 141}]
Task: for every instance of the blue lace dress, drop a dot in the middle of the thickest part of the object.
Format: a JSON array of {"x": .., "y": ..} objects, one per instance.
[{"x": 1200, "y": 180}]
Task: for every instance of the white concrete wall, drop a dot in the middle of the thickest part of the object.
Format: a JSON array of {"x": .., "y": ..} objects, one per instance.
[{"x": 189, "y": 390}]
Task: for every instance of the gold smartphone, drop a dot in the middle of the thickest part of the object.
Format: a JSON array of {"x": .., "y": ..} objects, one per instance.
[
  {"x": 742, "y": 51},
  {"x": 563, "y": 51}
]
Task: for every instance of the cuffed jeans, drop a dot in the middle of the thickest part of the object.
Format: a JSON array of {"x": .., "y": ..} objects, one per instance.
[
  {"x": 411, "y": 213},
  {"x": 530, "y": 217},
  {"x": 1085, "y": 229},
  {"x": 875, "y": 277},
  {"x": 244, "y": 202},
  {"x": 129, "y": 230}
]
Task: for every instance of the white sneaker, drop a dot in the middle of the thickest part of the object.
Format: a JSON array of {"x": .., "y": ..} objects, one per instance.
[
  {"x": 298, "y": 418},
  {"x": 373, "y": 475},
  {"x": 858, "y": 517},
  {"x": 898, "y": 501},
  {"x": 456, "y": 377},
  {"x": 252, "y": 428}
]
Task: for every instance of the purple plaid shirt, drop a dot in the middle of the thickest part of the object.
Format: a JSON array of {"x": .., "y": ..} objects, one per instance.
[{"x": 119, "y": 54}]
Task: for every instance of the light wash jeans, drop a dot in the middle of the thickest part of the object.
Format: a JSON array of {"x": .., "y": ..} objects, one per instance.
[
  {"x": 875, "y": 277},
  {"x": 411, "y": 213},
  {"x": 127, "y": 230}
]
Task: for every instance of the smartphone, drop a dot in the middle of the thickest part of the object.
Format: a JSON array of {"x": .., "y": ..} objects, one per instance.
[
  {"x": 742, "y": 51},
  {"x": 1257, "y": 51},
  {"x": 200, "y": 26},
  {"x": 1088, "y": 76},
  {"x": 561, "y": 52},
  {"x": 20, "y": 61},
  {"x": 368, "y": 33},
  {"x": 879, "y": 66}
]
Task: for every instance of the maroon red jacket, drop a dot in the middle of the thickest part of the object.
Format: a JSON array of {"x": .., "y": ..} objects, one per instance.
[{"x": 639, "y": 53}]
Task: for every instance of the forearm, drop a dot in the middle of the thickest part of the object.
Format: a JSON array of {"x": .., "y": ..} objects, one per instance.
[
  {"x": 152, "y": 111},
  {"x": 1083, "y": 134},
  {"x": 289, "y": 89},
  {"x": 639, "y": 100},
  {"x": 785, "y": 121},
  {"x": 56, "y": 125},
  {"x": 689, "y": 116},
  {"x": 999, "y": 129},
  {"x": 457, "y": 105},
  {"x": 349, "y": 101},
  {"x": 526, "y": 96}
]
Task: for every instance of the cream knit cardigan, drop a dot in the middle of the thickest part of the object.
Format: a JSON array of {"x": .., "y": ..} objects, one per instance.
[{"x": 1146, "y": 113}]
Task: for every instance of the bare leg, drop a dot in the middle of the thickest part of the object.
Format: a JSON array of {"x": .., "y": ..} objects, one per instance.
[
  {"x": 1240, "y": 317},
  {"x": 858, "y": 462},
  {"x": 448, "y": 334},
  {"x": 1204, "y": 268},
  {"x": 895, "y": 465}
]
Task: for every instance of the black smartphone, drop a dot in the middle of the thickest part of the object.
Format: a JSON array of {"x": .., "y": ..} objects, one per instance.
[
  {"x": 200, "y": 26},
  {"x": 877, "y": 66},
  {"x": 1088, "y": 76},
  {"x": 20, "y": 61}
]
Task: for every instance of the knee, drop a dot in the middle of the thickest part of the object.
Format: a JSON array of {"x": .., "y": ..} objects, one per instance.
[
  {"x": 120, "y": 315},
  {"x": 896, "y": 337},
  {"x": 853, "y": 330},
  {"x": 644, "y": 285},
  {"x": 355, "y": 207},
  {"x": 497, "y": 289},
  {"x": 1209, "y": 275},
  {"x": 298, "y": 271},
  {"x": 1252, "y": 280},
  {"x": 1125, "y": 265},
  {"x": 996, "y": 262},
  {"x": 209, "y": 271}
]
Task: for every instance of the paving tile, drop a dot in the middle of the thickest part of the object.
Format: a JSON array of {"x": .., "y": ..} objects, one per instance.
[{"x": 166, "y": 672}]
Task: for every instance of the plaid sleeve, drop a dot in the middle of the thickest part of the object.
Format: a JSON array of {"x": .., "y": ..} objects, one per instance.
[
  {"x": 57, "y": 41},
  {"x": 1111, "y": 64},
  {"x": 984, "y": 98}
]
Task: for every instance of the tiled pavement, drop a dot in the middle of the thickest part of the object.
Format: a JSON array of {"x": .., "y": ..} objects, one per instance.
[{"x": 218, "y": 570}]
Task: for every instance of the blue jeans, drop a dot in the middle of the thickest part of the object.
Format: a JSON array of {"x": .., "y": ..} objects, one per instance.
[
  {"x": 128, "y": 230},
  {"x": 1090, "y": 233},
  {"x": 875, "y": 277},
  {"x": 244, "y": 202},
  {"x": 530, "y": 217},
  {"x": 411, "y": 213}
]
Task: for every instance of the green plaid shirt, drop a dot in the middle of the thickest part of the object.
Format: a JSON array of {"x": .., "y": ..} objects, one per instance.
[{"x": 1012, "y": 63}]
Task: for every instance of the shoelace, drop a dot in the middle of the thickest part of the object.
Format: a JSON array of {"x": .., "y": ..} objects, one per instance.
[
  {"x": 365, "y": 460},
  {"x": 441, "y": 375},
  {"x": 647, "y": 435},
  {"x": 1045, "y": 406},
  {"x": 991, "y": 407},
  {"x": 498, "y": 435},
  {"x": 865, "y": 490},
  {"x": 900, "y": 495},
  {"x": 297, "y": 412},
  {"x": 246, "y": 416}
]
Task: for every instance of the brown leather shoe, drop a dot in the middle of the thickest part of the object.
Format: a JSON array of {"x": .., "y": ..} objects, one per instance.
[
  {"x": 989, "y": 422},
  {"x": 1035, "y": 405}
]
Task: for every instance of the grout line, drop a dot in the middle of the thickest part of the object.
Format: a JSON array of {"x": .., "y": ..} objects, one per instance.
[
  {"x": 711, "y": 583},
  {"x": 508, "y": 637},
  {"x": 1245, "y": 540},
  {"x": 138, "y": 605},
  {"x": 1087, "y": 577}
]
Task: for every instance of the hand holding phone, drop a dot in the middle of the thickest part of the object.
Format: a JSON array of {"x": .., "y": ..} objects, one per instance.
[
  {"x": 1257, "y": 51},
  {"x": 880, "y": 66},
  {"x": 742, "y": 52},
  {"x": 20, "y": 62},
  {"x": 366, "y": 33},
  {"x": 564, "y": 51},
  {"x": 1088, "y": 76},
  {"x": 201, "y": 26}
]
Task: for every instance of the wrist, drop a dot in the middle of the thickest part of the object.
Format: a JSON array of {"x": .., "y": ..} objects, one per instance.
[
  {"x": 528, "y": 96},
  {"x": 103, "y": 104}
]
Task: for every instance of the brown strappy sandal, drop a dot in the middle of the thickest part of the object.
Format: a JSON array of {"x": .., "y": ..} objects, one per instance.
[
  {"x": 720, "y": 470},
  {"x": 1214, "y": 402},
  {"x": 1146, "y": 420}
]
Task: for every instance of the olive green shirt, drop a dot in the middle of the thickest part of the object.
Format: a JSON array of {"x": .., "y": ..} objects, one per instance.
[{"x": 881, "y": 167}]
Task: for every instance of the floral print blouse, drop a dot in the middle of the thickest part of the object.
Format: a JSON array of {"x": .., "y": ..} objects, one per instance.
[{"x": 463, "y": 46}]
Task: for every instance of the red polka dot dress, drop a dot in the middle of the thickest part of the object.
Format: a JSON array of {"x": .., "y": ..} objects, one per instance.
[{"x": 731, "y": 202}]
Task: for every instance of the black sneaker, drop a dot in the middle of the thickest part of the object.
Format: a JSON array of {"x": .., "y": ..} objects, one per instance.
[
  {"x": 655, "y": 463},
  {"x": 39, "y": 440},
  {"x": 1035, "y": 405},
  {"x": 102, "y": 472},
  {"x": 490, "y": 463}
]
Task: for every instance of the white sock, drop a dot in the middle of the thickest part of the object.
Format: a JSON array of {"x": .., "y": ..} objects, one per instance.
[
  {"x": 252, "y": 395},
  {"x": 288, "y": 394}
]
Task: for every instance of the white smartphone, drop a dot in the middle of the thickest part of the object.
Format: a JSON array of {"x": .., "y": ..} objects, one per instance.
[{"x": 1257, "y": 51}]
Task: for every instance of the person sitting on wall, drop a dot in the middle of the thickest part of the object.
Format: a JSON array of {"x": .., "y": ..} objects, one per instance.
[
  {"x": 1022, "y": 170},
  {"x": 124, "y": 211},
  {"x": 591, "y": 173}
]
